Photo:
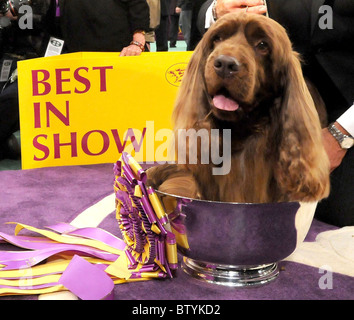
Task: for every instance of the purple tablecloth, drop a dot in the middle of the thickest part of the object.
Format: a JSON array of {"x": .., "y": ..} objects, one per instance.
[{"x": 42, "y": 197}]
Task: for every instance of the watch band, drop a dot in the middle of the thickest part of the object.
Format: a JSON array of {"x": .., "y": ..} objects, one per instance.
[{"x": 344, "y": 140}]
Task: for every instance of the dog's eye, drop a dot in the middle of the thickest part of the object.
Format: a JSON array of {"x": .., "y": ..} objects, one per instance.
[
  {"x": 262, "y": 47},
  {"x": 217, "y": 38}
]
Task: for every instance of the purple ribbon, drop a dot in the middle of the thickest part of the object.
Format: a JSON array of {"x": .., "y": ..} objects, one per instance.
[
  {"x": 90, "y": 233},
  {"x": 42, "y": 250},
  {"x": 87, "y": 281}
]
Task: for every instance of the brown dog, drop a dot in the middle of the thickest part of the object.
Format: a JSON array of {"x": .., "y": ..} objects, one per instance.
[{"x": 245, "y": 77}]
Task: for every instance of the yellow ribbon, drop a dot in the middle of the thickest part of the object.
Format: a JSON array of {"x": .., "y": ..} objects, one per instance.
[
  {"x": 51, "y": 271},
  {"x": 68, "y": 239}
]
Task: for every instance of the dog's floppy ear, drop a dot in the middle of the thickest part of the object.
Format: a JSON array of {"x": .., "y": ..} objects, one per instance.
[
  {"x": 192, "y": 92},
  {"x": 303, "y": 165}
]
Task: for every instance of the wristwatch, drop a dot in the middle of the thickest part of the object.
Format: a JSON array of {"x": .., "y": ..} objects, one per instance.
[{"x": 344, "y": 140}]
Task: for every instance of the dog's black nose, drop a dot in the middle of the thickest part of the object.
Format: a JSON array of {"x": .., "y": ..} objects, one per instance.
[{"x": 226, "y": 66}]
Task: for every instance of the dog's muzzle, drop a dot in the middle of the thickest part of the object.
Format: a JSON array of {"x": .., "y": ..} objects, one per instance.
[{"x": 226, "y": 66}]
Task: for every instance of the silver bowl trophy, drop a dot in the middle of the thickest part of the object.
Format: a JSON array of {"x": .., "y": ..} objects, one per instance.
[{"x": 236, "y": 244}]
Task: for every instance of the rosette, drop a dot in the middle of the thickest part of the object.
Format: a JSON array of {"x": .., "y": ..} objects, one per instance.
[{"x": 142, "y": 220}]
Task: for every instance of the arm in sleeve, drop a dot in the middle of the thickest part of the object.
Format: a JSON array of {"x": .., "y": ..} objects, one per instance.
[
  {"x": 205, "y": 16},
  {"x": 139, "y": 15},
  {"x": 346, "y": 120}
]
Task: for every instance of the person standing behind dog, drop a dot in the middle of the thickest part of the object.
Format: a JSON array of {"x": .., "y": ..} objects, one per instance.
[
  {"x": 161, "y": 31},
  {"x": 105, "y": 25},
  {"x": 168, "y": 28},
  {"x": 326, "y": 46},
  {"x": 173, "y": 23},
  {"x": 155, "y": 13},
  {"x": 195, "y": 34},
  {"x": 184, "y": 7}
]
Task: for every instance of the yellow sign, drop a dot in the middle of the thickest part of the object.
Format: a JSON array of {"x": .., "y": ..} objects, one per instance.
[{"x": 86, "y": 108}]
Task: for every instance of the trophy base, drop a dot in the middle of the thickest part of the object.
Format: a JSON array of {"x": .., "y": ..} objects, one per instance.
[{"x": 230, "y": 275}]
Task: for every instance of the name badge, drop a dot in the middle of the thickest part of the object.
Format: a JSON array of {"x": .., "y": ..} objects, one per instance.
[
  {"x": 5, "y": 70},
  {"x": 55, "y": 47}
]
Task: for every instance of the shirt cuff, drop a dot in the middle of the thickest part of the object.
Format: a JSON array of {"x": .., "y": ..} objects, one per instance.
[
  {"x": 209, "y": 20},
  {"x": 346, "y": 120}
]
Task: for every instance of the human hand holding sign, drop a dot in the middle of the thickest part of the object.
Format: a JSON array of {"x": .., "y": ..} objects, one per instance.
[{"x": 136, "y": 47}]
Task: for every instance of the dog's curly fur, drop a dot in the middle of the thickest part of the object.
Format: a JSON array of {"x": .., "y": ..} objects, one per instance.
[{"x": 277, "y": 150}]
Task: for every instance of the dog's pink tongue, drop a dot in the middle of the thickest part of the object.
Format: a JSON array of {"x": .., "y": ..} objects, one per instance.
[{"x": 224, "y": 103}]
